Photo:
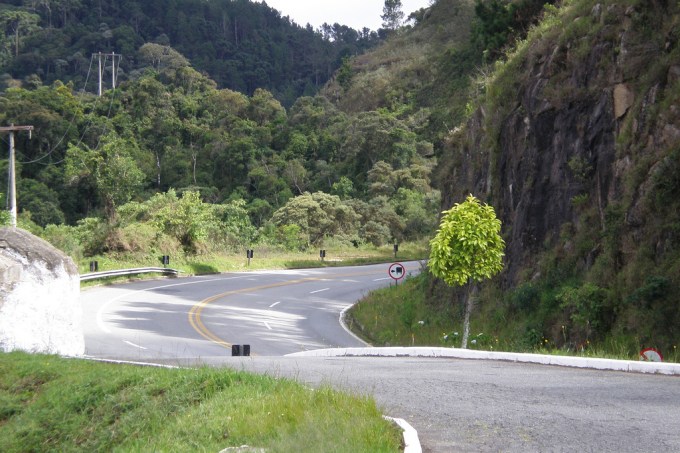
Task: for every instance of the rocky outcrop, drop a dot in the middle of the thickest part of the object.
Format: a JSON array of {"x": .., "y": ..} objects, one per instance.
[
  {"x": 577, "y": 139},
  {"x": 39, "y": 297}
]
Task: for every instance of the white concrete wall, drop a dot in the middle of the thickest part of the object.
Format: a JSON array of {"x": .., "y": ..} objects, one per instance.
[{"x": 40, "y": 308}]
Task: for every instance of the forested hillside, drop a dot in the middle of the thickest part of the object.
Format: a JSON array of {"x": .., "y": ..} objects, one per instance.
[
  {"x": 241, "y": 45},
  {"x": 169, "y": 160}
]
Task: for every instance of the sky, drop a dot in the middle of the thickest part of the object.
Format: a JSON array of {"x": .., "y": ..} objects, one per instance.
[{"x": 356, "y": 14}]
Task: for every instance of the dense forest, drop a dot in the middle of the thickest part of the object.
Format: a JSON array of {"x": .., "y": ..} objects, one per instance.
[
  {"x": 244, "y": 168},
  {"x": 241, "y": 45}
]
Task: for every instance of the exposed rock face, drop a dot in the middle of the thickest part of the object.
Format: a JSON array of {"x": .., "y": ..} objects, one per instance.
[
  {"x": 578, "y": 142},
  {"x": 39, "y": 297}
]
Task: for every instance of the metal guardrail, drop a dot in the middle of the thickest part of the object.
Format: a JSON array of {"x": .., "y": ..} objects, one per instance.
[{"x": 120, "y": 272}]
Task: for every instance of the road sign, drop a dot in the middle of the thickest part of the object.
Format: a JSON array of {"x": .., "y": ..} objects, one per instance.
[
  {"x": 397, "y": 271},
  {"x": 651, "y": 355}
]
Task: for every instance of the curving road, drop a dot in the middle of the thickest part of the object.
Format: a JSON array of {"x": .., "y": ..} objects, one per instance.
[
  {"x": 456, "y": 405},
  {"x": 275, "y": 312}
]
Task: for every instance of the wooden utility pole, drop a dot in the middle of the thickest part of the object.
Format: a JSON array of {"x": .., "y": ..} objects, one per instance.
[{"x": 12, "y": 174}]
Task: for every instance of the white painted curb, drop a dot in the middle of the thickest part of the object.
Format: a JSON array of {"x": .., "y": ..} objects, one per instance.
[
  {"x": 568, "y": 361},
  {"x": 411, "y": 441}
]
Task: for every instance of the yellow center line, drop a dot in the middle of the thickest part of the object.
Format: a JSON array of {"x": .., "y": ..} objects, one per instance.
[{"x": 196, "y": 311}]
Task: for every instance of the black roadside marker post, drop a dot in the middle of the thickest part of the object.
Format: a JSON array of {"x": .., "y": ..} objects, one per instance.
[
  {"x": 396, "y": 249},
  {"x": 249, "y": 255},
  {"x": 240, "y": 350},
  {"x": 166, "y": 260},
  {"x": 322, "y": 254},
  {"x": 94, "y": 266}
]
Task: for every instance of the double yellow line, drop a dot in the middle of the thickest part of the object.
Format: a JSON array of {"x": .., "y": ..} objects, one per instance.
[{"x": 197, "y": 310}]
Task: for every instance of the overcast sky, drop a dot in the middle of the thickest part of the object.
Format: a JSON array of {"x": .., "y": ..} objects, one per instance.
[{"x": 353, "y": 13}]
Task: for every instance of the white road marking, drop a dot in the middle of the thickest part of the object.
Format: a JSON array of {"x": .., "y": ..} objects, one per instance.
[
  {"x": 133, "y": 345},
  {"x": 380, "y": 279},
  {"x": 351, "y": 281},
  {"x": 319, "y": 291},
  {"x": 266, "y": 324},
  {"x": 100, "y": 312},
  {"x": 274, "y": 304}
]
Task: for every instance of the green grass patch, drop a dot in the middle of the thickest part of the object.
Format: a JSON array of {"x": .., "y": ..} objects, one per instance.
[
  {"x": 53, "y": 404},
  {"x": 400, "y": 316},
  {"x": 418, "y": 313}
]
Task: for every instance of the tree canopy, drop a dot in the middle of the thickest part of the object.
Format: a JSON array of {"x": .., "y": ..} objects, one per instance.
[{"x": 468, "y": 246}]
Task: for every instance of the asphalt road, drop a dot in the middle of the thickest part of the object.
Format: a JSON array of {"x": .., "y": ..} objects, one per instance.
[
  {"x": 275, "y": 312},
  {"x": 456, "y": 405}
]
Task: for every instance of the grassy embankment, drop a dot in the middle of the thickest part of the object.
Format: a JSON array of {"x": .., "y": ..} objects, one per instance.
[
  {"x": 53, "y": 404},
  {"x": 403, "y": 316},
  {"x": 263, "y": 259}
]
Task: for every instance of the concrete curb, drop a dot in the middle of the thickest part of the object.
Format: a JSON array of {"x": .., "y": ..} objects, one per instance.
[
  {"x": 411, "y": 441},
  {"x": 568, "y": 361}
]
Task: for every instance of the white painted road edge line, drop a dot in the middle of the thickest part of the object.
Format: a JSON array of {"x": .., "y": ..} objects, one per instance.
[
  {"x": 411, "y": 441},
  {"x": 541, "y": 359},
  {"x": 343, "y": 313},
  {"x": 133, "y": 345}
]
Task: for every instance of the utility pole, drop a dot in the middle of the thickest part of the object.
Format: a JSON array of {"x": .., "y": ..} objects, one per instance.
[
  {"x": 12, "y": 173},
  {"x": 114, "y": 57}
]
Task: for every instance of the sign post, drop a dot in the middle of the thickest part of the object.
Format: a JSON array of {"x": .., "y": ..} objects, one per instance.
[{"x": 397, "y": 272}]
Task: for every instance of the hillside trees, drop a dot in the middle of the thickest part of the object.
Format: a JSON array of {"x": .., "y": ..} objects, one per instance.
[
  {"x": 243, "y": 45},
  {"x": 392, "y": 15},
  {"x": 15, "y": 25},
  {"x": 173, "y": 129},
  {"x": 112, "y": 169},
  {"x": 317, "y": 215}
]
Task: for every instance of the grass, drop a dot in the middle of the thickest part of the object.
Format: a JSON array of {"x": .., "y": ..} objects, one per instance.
[
  {"x": 408, "y": 316},
  {"x": 399, "y": 316},
  {"x": 54, "y": 404}
]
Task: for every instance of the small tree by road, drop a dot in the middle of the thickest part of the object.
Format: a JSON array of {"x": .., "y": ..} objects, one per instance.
[{"x": 467, "y": 249}]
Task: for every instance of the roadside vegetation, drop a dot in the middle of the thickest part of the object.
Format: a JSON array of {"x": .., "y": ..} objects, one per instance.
[
  {"x": 419, "y": 313},
  {"x": 264, "y": 258},
  {"x": 54, "y": 404}
]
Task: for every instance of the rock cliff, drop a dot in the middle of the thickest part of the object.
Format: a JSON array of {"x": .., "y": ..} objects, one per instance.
[{"x": 575, "y": 142}]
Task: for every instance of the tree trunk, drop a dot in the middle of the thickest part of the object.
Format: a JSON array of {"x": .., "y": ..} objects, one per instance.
[{"x": 470, "y": 296}]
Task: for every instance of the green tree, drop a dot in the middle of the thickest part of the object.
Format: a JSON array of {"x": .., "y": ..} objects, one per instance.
[
  {"x": 162, "y": 57},
  {"x": 318, "y": 215},
  {"x": 187, "y": 219},
  {"x": 392, "y": 14},
  {"x": 112, "y": 169},
  {"x": 467, "y": 249},
  {"x": 17, "y": 23}
]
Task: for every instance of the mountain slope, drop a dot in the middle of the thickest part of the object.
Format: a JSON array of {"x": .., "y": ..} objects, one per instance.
[
  {"x": 242, "y": 45},
  {"x": 575, "y": 142}
]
